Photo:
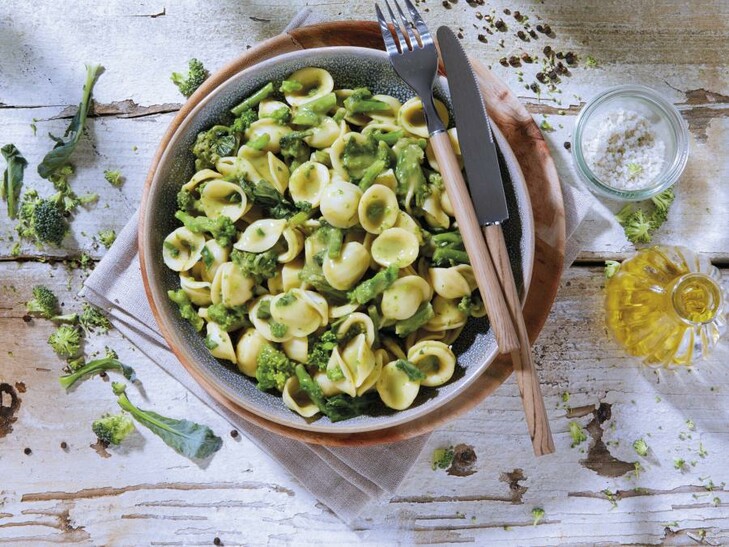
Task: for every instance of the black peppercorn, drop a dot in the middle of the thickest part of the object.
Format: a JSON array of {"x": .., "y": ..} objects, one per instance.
[
  {"x": 514, "y": 61},
  {"x": 499, "y": 24},
  {"x": 27, "y": 451},
  {"x": 507, "y": 11},
  {"x": 547, "y": 29},
  {"x": 64, "y": 445},
  {"x": 540, "y": 28},
  {"x": 532, "y": 33},
  {"x": 521, "y": 34},
  {"x": 571, "y": 58},
  {"x": 567, "y": 145},
  {"x": 482, "y": 38},
  {"x": 504, "y": 61},
  {"x": 541, "y": 77},
  {"x": 526, "y": 57},
  {"x": 548, "y": 51}
]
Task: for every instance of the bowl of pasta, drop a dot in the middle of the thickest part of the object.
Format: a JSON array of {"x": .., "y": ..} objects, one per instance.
[{"x": 299, "y": 250}]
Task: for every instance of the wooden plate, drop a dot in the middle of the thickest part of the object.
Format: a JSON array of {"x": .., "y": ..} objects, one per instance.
[{"x": 533, "y": 155}]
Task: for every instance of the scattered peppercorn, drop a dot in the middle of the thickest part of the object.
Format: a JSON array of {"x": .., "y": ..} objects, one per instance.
[
  {"x": 534, "y": 87},
  {"x": 532, "y": 33},
  {"x": 482, "y": 38},
  {"x": 103, "y": 375},
  {"x": 514, "y": 61},
  {"x": 504, "y": 61},
  {"x": 27, "y": 318},
  {"x": 518, "y": 16},
  {"x": 560, "y": 55},
  {"x": 460, "y": 35},
  {"x": 570, "y": 57},
  {"x": 234, "y": 433},
  {"x": 521, "y": 34},
  {"x": 547, "y": 29},
  {"x": 540, "y": 28},
  {"x": 526, "y": 58},
  {"x": 27, "y": 451},
  {"x": 548, "y": 51},
  {"x": 217, "y": 541},
  {"x": 541, "y": 77},
  {"x": 446, "y": 4},
  {"x": 499, "y": 24},
  {"x": 567, "y": 145},
  {"x": 64, "y": 445}
]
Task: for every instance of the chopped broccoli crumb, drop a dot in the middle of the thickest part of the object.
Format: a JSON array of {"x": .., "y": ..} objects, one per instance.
[
  {"x": 442, "y": 458},
  {"x": 611, "y": 268},
  {"x": 114, "y": 177},
  {"x": 578, "y": 435},
  {"x": 273, "y": 369},
  {"x": 107, "y": 237},
  {"x": 537, "y": 515},
  {"x": 641, "y": 447}
]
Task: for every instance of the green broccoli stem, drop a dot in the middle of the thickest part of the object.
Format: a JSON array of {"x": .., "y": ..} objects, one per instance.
[
  {"x": 322, "y": 105},
  {"x": 310, "y": 387},
  {"x": 367, "y": 105},
  {"x": 389, "y": 138},
  {"x": 254, "y": 99},
  {"x": 370, "y": 174},
  {"x": 307, "y": 117},
  {"x": 334, "y": 243},
  {"x": 445, "y": 255},
  {"x": 96, "y": 367},
  {"x": 448, "y": 239},
  {"x": 407, "y": 326},
  {"x": 376, "y": 285}
]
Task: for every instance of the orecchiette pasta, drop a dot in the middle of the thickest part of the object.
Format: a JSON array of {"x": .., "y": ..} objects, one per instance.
[{"x": 319, "y": 248}]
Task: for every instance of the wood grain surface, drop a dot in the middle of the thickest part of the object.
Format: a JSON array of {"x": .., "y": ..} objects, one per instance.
[{"x": 599, "y": 491}]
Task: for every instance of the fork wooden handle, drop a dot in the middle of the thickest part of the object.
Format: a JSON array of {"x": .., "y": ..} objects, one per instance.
[
  {"x": 481, "y": 261},
  {"x": 526, "y": 372}
]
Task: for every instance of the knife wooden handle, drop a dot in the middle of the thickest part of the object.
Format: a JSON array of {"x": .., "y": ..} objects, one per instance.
[
  {"x": 526, "y": 372},
  {"x": 481, "y": 261}
]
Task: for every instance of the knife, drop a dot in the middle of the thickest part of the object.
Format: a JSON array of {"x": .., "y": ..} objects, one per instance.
[{"x": 486, "y": 187}]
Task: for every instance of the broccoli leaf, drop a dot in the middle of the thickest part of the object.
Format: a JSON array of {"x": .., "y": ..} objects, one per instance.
[
  {"x": 12, "y": 177},
  {"x": 65, "y": 145},
  {"x": 188, "y": 438}
]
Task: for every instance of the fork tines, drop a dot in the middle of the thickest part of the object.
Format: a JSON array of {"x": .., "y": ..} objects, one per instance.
[{"x": 409, "y": 34}]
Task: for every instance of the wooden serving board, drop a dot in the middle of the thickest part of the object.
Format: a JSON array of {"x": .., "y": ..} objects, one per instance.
[{"x": 545, "y": 193}]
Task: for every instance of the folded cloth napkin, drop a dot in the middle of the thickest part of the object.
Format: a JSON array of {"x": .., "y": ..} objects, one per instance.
[{"x": 344, "y": 479}]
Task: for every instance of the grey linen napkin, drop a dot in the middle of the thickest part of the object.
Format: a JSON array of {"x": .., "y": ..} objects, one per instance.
[{"x": 344, "y": 479}]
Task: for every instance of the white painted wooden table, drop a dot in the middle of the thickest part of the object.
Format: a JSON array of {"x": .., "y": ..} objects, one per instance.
[{"x": 143, "y": 493}]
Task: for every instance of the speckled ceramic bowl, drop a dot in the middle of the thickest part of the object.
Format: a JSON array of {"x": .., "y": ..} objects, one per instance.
[{"x": 350, "y": 67}]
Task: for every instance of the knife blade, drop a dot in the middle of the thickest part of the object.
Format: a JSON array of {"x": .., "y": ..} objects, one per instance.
[{"x": 478, "y": 148}]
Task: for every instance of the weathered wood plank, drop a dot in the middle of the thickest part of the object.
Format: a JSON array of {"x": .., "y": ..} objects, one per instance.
[{"x": 115, "y": 498}]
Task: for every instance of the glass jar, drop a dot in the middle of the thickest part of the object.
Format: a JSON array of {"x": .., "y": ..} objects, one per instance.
[{"x": 666, "y": 305}]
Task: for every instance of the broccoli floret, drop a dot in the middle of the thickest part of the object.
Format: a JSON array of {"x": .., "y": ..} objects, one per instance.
[
  {"x": 322, "y": 349},
  {"x": 213, "y": 144},
  {"x": 221, "y": 228},
  {"x": 290, "y": 86},
  {"x": 409, "y": 173},
  {"x": 114, "y": 177},
  {"x": 638, "y": 227},
  {"x": 280, "y": 115},
  {"x": 59, "y": 178},
  {"x": 96, "y": 367},
  {"x": 577, "y": 434},
  {"x": 611, "y": 268},
  {"x": 186, "y": 201},
  {"x": 442, "y": 458},
  {"x": 107, "y": 237},
  {"x": 48, "y": 224},
  {"x": 66, "y": 341},
  {"x": 537, "y": 515},
  {"x": 188, "y": 83},
  {"x": 337, "y": 408},
  {"x": 187, "y": 312},
  {"x": 92, "y": 318},
  {"x": 279, "y": 330},
  {"x": 243, "y": 122},
  {"x": 361, "y": 101},
  {"x": 113, "y": 428},
  {"x": 229, "y": 319},
  {"x": 373, "y": 287},
  {"x": 274, "y": 368},
  {"x": 407, "y": 326},
  {"x": 43, "y": 303},
  {"x": 641, "y": 448},
  {"x": 259, "y": 266},
  {"x": 662, "y": 203},
  {"x": 293, "y": 146},
  {"x": 389, "y": 138}
]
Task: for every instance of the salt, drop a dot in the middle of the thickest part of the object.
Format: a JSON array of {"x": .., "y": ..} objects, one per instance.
[{"x": 625, "y": 153}]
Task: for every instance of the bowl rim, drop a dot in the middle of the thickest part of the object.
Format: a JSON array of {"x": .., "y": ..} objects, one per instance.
[
  {"x": 669, "y": 112},
  {"x": 219, "y": 390}
]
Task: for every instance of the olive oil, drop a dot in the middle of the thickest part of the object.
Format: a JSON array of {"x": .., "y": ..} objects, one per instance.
[{"x": 666, "y": 304}]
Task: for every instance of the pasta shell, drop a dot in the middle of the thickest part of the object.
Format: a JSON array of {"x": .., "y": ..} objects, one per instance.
[
  {"x": 344, "y": 272},
  {"x": 200, "y": 177},
  {"x": 261, "y": 235},
  {"x": 396, "y": 390},
  {"x": 316, "y": 82},
  {"x": 220, "y": 340},
  {"x": 297, "y": 399},
  {"x": 395, "y": 246},
  {"x": 247, "y": 349},
  {"x": 324, "y": 134},
  {"x": 361, "y": 321},
  {"x": 386, "y": 116},
  {"x": 450, "y": 282},
  {"x": 303, "y": 312},
  {"x": 221, "y": 198},
  {"x": 269, "y": 127},
  {"x": 339, "y": 202},
  {"x": 296, "y": 348},
  {"x": 197, "y": 291},
  {"x": 447, "y": 315},
  {"x": 412, "y": 119},
  {"x": 182, "y": 249},
  {"x": 403, "y": 298},
  {"x": 435, "y": 360},
  {"x": 230, "y": 287},
  {"x": 378, "y": 209},
  {"x": 308, "y": 181}
]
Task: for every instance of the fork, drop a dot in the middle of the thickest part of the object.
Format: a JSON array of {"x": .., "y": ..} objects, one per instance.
[{"x": 414, "y": 57}]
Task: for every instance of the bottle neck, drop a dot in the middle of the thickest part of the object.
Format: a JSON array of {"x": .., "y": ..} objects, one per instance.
[{"x": 696, "y": 298}]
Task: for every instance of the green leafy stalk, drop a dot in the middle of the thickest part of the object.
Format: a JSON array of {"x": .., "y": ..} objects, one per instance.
[
  {"x": 188, "y": 438},
  {"x": 12, "y": 177},
  {"x": 65, "y": 145},
  {"x": 407, "y": 326},
  {"x": 337, "y": 408},
  {"x": 254, "y": 99},
  {"x": 373, "y": 287},
  {"x": 96, "y": 367},
  {"x": 413, "y": 372}
]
